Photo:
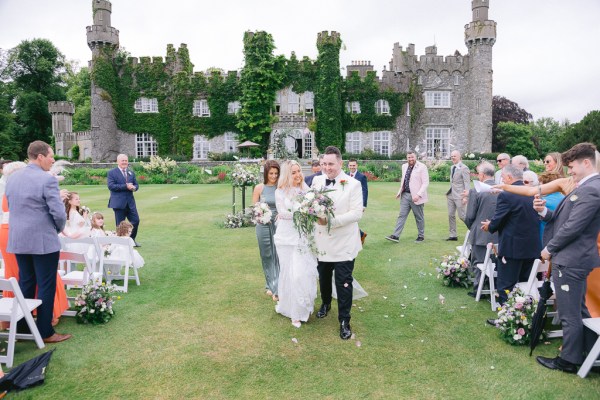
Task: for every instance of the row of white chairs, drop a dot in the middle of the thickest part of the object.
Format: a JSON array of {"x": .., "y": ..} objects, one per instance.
[{"x": 99, "y": 264}]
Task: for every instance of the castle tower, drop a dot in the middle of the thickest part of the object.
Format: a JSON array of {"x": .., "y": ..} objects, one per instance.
[
  {"x": 103, "y": 40},
  {"x": 62, "y": 125},
  {"x": 480, "y": 36}
]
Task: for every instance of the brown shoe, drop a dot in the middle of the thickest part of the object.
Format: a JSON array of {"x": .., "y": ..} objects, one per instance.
[
  {"x": 362, "y": 238},
  {"x": 57, "y": 337}
]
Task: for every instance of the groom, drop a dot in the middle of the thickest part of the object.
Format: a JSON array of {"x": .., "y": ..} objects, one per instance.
[{"x": 339, "y": 246}]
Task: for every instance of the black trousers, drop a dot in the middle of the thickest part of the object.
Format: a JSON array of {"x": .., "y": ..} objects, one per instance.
[
  {"x": 39, "y": 270},
  {"x": 131, "y": 215},
  {"x": 343, "y": 285},
  {"x": 510, "y": 273}
]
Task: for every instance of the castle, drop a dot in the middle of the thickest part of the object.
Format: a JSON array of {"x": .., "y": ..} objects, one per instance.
[{"x": 452, "y": 108}]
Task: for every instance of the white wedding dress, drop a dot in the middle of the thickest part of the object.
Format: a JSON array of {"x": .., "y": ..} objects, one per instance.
[{"x": 298, "y": 266}]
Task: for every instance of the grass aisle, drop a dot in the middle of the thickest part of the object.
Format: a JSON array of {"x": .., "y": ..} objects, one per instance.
[{"x": 200, "y": 326}]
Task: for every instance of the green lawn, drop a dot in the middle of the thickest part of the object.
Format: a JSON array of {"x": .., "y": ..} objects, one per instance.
[{"x": 200, "y": 325}]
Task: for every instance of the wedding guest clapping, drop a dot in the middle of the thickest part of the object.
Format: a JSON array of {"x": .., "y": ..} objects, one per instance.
[{"x": 265, "y": 193}]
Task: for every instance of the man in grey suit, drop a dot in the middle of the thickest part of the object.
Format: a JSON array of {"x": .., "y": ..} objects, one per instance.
[
  {"x": 460, "y": 179},
  {"x": 481, "y": 207},
  {"x": 570, "y": 239},
  {"x": 37, "y": 214}
]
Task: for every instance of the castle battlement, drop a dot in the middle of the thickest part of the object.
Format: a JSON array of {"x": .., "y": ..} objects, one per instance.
[
  {"x": 74, "y": 136},
  {"x": 102, "y": 35},
  {"x": 483, "y": 32},
  {"x": 61, "y": 107},
  {"x": 406, "y": 62}
]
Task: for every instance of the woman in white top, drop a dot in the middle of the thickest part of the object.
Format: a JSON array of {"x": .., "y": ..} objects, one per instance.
[{"x": 298, "y": 266}]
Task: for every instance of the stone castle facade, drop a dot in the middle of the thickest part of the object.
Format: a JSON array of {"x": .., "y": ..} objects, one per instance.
[{"x": 455, "y": 111}]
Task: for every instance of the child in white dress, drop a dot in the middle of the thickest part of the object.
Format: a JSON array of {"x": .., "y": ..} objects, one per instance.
[
  {"x": 119, "y": 252},
  {"x": 77, "y": 226}
]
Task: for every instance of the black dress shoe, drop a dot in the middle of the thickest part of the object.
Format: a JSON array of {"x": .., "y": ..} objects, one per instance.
[
  {"x": 322, "y": 313},
  {"x": 136, "y": 244},
  {"x": 491, "y": 322},
  {"x": 472, "y": 294},
  {"x": 345, "y": 331},
  {"x": 558, "y": 364},
  {"x": 452, "y": 239}
]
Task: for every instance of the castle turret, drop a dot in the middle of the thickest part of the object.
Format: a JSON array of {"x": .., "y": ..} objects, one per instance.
[
  {"x": 103, "y": 40},
  {"x": 480, "y": 36},
  {"x": 101, "y": 34},
  {"x": 62, "y": 125}
]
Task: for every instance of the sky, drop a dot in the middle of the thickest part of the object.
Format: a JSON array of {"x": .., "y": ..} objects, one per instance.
[{"x": 546, "y": 57}]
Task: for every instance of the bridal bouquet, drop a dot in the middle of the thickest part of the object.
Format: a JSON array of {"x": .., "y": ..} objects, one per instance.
[
  {"x": 454, "y": 271},
  {"x": 261, "y": 213},
  {"x": 94, "y": 304},
  {"x": 312, "y": 205},
  {"x": 515, "y": 317}
]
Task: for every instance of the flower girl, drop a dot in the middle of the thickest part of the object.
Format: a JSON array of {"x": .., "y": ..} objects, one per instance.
[{"x": 118, "y": 252}]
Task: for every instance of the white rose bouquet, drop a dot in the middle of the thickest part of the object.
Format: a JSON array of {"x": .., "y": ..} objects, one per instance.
[{"x": 261, "y": 213}]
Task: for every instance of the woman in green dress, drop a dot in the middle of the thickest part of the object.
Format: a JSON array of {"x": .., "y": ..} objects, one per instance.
[{"x": 265, "y": 193}]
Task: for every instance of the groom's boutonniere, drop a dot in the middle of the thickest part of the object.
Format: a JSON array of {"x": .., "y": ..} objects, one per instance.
[{"x": 343, "y": 182}]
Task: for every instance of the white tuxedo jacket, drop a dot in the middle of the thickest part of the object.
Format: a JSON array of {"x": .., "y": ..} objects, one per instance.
[{"x": 342, "y": 242}]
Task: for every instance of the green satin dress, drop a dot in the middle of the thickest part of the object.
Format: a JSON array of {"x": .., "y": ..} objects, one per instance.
[{"x": 264, "y": 234}]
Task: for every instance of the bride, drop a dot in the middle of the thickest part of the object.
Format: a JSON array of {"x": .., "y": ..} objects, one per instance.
[{"x": 298, "y": 266}]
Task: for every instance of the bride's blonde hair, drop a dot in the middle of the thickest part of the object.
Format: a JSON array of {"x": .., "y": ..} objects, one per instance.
[{"x": 286, "y": 181}]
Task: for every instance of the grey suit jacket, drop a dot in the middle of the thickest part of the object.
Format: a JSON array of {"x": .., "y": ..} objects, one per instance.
[
  {"x": 571, "y": 232},
  {"x": 481, "y": 206},
  {"x": 36, "y": 212},
  {"x": 460, "y": 181}
]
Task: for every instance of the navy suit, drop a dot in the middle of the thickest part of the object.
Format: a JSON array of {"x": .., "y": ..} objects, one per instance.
[
  {"x": 571, "y": 238},
  {"x": 518, "y": 227},
  {"x": 309, "y": 178},
  {"x": 365, "y": 188},
  {"x": 121, "y": 199}
]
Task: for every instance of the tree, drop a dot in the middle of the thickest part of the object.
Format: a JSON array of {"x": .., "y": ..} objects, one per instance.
[
  {"x": 518, "y": 139},
  {"x": 504, "y": 110},
  {"x": 586, "y": 130},
  {"x": 79, "y": 93},
  {"x": 35, "y": 71},
  {"x": 545, "y": 133},
  {"x": 37, "y": 66}
]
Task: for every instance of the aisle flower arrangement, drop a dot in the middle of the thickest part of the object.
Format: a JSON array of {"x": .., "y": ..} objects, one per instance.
[
  {"x": 95, "y": 303},
  {"x": 454, "y": 271},
  {"x": 240, "y": 219},
  {"x": 312, "y": 205},
  {"x": 261, "y": 213},
  {"x": 515, "y": 318},
  {"x": 244, "y": 175}
]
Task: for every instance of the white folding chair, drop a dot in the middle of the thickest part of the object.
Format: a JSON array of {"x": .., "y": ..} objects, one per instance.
[
  {"x": 86, "y": 245},
  {"x": 76, "y": 279},
  {"x": 123, "y": 262},
  {"x": 488, "y": 268},
  {"x": 13, "y": 309},
  {"x": 592, "y": 358},
  {"x": 533, "y": 284},
  {"x": 465, "y": 249}
]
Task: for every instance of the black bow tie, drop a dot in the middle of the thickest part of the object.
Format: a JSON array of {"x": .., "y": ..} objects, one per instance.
[{"x": 329, "y": 182}]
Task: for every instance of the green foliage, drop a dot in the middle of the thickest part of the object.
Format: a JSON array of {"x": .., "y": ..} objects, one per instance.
[
  {"x": 37, "y": 66},
  {"x": 34, "y": 118},
  {"x": 328, "y": 99},
  {"x": 504, "y": 110},
  {"x": 518, "y": 139},
  {"x": 545, "y": 133},
  {"x": 75, "y": 152},
  {"x": 367, "y": 91},
  {"x": 586, "y": 130},
  {"x": 262, "y": 76},
  {"x": 79, "y": 93}
]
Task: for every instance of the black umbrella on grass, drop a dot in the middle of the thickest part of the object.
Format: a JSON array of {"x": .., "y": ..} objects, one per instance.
[
  {"x": 539, "y": 318},
  {"x": 28, "y": 374}
]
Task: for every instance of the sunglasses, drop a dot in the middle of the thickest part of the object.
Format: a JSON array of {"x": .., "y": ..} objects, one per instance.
[
  {"x": 501, "y": 160},
  {"x": 547, "y": 161}
]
